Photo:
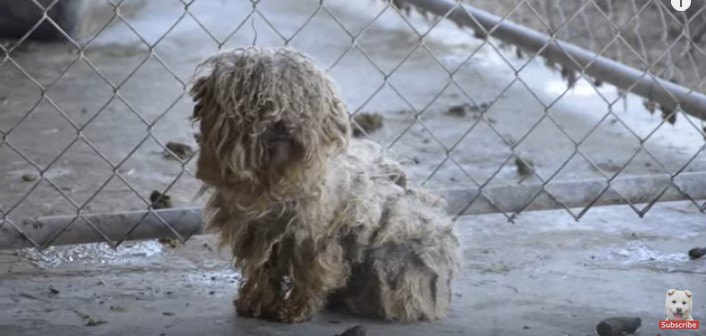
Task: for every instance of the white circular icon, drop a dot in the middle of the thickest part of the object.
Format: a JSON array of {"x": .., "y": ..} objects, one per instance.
[{"x": 681, "y": 5}]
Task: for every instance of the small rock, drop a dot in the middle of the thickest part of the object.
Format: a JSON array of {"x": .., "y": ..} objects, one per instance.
[
  {"x": 53, "y": 291},
  {"x": 668, "y": 115},
  {"x": 29, "y": 177},
  {"x": 120, "y": 309},
  {"x": 569, "y": 76},
  {"x": 168, "y": 314},
  {"x": 94, "y": 322},
  {"x": 160, "y": 201},
  {"x": 618, "y": 326},
  {"x": 366, "y": 123},
  {"x": 697, "y": 253},
  {"x": 524, "y": 167},
  {"x": 458, "y": 110},
  {"x": 355, "y": 331},
  {"x": 182, "y": 151},
  {"x": 525, "y": 327},
  {"x": 168, "y": 241},
  {"x": 211, "y": 293}
]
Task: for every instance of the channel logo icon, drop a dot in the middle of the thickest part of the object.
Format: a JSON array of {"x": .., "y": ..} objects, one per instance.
[
  {"x": 679, "y": 305},
  {"x": 681, "y": 5}
]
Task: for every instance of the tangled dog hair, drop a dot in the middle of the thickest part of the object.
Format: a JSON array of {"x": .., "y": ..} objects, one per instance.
[{"x": 312, "y": 217}]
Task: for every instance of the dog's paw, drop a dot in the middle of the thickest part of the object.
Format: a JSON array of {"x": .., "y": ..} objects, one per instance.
[
  {"x": 245, "y": 308},
  {"x": 288, "y": 313}
]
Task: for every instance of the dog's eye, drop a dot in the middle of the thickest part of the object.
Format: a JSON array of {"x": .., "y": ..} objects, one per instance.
[
  {"x": 675, "y": 301},
  {"x": 683, "y": 302}
]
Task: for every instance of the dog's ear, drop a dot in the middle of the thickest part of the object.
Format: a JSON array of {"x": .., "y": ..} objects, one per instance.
[
  {"x": 688, "y": 293},
  {"x": 200, "y": 92},
  {"x": 337, "y": 125},
  {"x": 671, "y": 292}
]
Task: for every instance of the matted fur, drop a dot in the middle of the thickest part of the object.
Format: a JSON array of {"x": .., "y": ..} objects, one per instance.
[{"x": 311, "y": 216}]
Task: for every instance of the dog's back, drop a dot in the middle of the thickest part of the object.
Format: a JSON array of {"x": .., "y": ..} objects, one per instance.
[{"x": 410, "y": 257}]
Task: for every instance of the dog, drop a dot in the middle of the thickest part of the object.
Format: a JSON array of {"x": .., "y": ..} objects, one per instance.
[
  {"x": 312, "y": 217},
  {"x": 678, "y": 305}
]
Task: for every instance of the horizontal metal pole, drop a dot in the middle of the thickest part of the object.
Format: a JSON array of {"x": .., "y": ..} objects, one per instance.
[
  {"x": 115, "y": 226},
  {"x": 571, "y": 56},
  {"x": 576, "y": 194},
  {"x": 508, "y": 198}
]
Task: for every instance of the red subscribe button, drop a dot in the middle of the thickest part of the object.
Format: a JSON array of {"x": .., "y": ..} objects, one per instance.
[{"x": 679, "y": 325}]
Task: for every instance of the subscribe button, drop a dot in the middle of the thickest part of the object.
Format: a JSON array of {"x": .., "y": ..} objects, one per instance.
[{"x": 679, "y": 325}]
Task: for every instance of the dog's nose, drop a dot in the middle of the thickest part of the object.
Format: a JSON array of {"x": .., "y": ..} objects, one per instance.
[{"x": 678, "y": 309}]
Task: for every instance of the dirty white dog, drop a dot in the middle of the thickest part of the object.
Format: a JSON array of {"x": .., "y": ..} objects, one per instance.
[
  {"x": 312, "y": 217},
  {"x": 678, "y": 305}
]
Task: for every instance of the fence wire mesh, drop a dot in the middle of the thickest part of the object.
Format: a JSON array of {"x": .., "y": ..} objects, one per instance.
[{"x": 97, "y": 121}]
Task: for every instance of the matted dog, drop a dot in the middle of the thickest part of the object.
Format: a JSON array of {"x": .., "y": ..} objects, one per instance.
[{"x": 312, "y": 217}]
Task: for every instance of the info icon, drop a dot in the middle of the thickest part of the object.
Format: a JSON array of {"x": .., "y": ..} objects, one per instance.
[{"x": 681, "y": 5}]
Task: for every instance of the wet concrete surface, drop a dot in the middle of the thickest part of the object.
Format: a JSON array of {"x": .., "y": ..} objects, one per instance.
[{"x": 543, "y": 275}]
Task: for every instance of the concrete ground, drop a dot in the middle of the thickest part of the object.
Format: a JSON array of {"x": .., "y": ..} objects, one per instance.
[{"x": 543, "y": 275}]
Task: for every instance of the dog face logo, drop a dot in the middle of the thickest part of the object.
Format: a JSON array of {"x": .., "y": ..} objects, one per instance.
[{"x": 678, "y": 305}]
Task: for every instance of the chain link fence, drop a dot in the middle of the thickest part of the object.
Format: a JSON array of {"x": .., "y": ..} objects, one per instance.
[{"x": 501, "y": 106}]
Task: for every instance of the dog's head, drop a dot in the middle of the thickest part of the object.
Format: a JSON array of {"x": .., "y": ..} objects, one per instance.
[
  {"x": 678, "y": 304},
  {"x": 267, "y": 117}
]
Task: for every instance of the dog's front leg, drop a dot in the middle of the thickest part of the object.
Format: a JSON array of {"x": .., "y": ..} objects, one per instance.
[
  {"x": 259, "y": 293},
  {"x": 314, "y": 276}
]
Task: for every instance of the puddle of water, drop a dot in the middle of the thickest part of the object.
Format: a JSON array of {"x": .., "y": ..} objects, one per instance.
[
  {"x": 201, "y": 277},
  {"x": 133, "y": 253},
  {"x": 636, "y": 252}
]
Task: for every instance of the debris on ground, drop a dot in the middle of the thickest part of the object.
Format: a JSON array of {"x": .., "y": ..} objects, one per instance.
[
  {"x": 182, "y": 151},
  {"x": 650, "y": 105},
  {"x": 668, "y": 115},
  {"x": 94, "y": 322},
  {"x": 462, "y": 109},
  {"x": 618, "y": 326},
  {"x": 570, "y": 76},
  {"x": 160, "y": 201},
  {"x": 29, "y": 177},
  {"x": 120, "y": 309},
  {"x": 366, "y": 123},
  {"x": 53, "y": 291},
  {"x": 355, "y": 331},
  {"x": 458, "y": 110},
  {"x": 697, "y": 253},
  {"x": 169, "y": 241},
  {"x": 525, "y": 167}
]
